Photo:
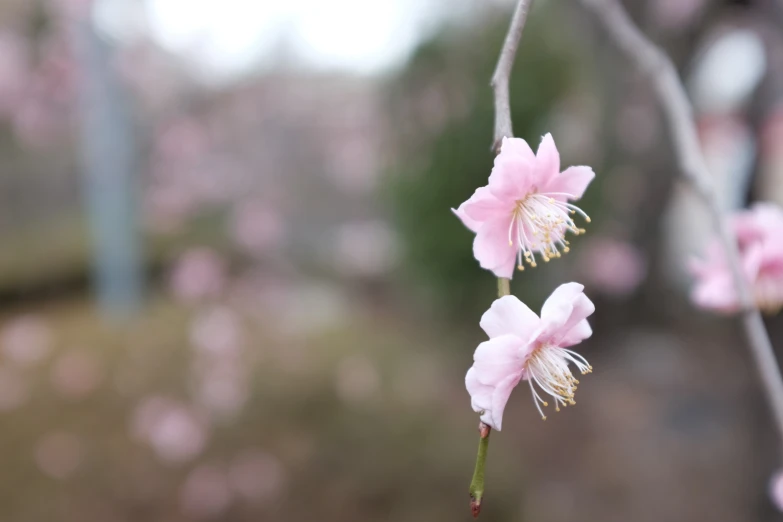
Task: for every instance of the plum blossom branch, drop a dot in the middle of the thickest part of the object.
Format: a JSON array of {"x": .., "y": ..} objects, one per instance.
[
  {"x": 503, "y": 128},
  {"x": 502, "y": 74},
  {"x": 654, "y": 63}
]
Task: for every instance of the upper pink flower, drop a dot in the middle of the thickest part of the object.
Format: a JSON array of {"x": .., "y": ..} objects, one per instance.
[
  {"x": 523, "y": 346},
  {"x": 524, "y": 208},
  {"x": 759, "y": 233}
]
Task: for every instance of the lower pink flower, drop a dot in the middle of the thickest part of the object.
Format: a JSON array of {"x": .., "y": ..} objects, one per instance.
[{"x": 524, "y": 346}]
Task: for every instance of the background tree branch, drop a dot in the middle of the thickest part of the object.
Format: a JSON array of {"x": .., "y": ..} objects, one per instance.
[{"x": 655, "y": 64}]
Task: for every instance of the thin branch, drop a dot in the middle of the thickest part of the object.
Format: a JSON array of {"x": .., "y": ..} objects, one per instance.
[
  {"x": 661, "y": 73},
  {"x": 502, "y": 74},
  {"x": 499, "y": 83}
]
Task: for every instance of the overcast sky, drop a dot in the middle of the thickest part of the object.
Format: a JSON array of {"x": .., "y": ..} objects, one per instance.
[{"x": 226, "y": 36}]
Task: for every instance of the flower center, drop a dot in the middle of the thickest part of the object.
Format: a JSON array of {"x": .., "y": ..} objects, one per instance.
[
  {"x": 539, "y": 223},
  {"x": 548, "y": 367}
]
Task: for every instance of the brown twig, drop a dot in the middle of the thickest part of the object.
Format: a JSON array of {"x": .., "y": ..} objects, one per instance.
[
  {"x": 502, "y": 74},
  {"x": 499, "y": 83},
  {"x": 654, "y": 63}
]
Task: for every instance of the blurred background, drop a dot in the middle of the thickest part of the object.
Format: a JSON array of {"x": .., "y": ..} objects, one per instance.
[{"x": 231, "y": 287}]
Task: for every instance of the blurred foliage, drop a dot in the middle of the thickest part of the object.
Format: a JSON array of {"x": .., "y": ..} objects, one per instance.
[{"x": 443, "y": 113}]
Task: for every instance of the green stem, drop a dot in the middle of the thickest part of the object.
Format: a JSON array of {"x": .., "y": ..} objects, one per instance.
[
  {"x": 504, "y": 286},
  {"x": 477, "y": 484}
]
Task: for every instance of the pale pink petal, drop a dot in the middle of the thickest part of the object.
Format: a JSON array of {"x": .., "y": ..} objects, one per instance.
[
  {"x": 716, "y": 293},
  {"x": 563, "y": 310},
  {"x": 480, "y": 394},
  {"x": 577, "y": 334},
  {"x": 494, "y": 416},
  {"x": 491, "y": 247},
  {"x": 496, "y": 370},
  {"x": 776, "y": 489},
  {"x": 547, "y": 160},
  {"x": 509, "y": 315},
  {"x": 572, "y": 181},
  {"x": 496, "y": 359},
  {"x": 511, "y": 177},
  {"x": 472, "y": 224},
  {"x": 481, "y": 207},
  {"x": 517, "y": 147}
]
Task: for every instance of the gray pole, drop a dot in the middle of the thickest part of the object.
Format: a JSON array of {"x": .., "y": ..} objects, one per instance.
[{"x": 110, "y": 182}]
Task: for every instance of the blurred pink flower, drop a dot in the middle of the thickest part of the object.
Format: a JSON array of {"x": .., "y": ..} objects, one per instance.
[
  {"x": 523, "y": 346},
  {"x": 222, "y": 388},
  {"x": 26, "y": 340},
  {"x": 759, "y": 233},
  {"x": 59, "y": 454},
  {"x": 14, "y": 70},
  {"x": 365, "y": 249},
  {"x": 611, "y": 266},
  {"x": 257, "y": 475},
  {"x": 198, "y": 274},
  {"x": 13, "y": 390},
  {"x": 357, "y": 378},
  {"x": 776, "y": 489},
  {"x": 524, "y": 209},
  {"x": 77, "y": 374},
  {"x": 206, "y": 492},
  {"x": 173, "y": 430},
  {"x": 256, "y": 227},
  {"x": 217, "y": 332}
]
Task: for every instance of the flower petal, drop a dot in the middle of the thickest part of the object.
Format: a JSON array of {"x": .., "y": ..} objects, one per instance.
[
  {"x": 716, "y": 293},
  {"x": 547, "y": 161},
  {"x": 469, "y": 222},
  {"x": 491, "y": 248},
  {"x": 500, "y": 396},
  {"x": 496, "y": 359},
  {"x": 480, "y": 394},
  {"x": 562, "y": 311},
  {"x": 511, "y": 177},
  {"x": 572, "y": 181},
  {"x": 577, "y": 334},
  {"x": 517, "y": 147},
  {"x": 509, "y": 315},
  {"x": 496, "y": 370}
]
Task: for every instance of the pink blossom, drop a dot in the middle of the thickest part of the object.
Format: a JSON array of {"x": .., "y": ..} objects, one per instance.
[
  {"x": 759, "y": 233},
  {"x": 198, "y": 274},
  {"x": 524, "y": 346},
  {"x": 59, "y": 454},
  {"x": 206, "y": 492},
  {"x": 26, "y": 340},
  {"x": 256, "y": 227},
  {"x": 75, "y": 375},
  {"x": 776, "y": 489},
  {"x": 524, "y": 209},
  {"x": 612, "y": 266},
  {"x": 172, "y": 429},
  {"x": 257, "y": 475},
  {"x": 217, "y": 332}
]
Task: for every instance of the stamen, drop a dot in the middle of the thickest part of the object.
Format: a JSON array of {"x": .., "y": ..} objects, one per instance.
[
  {"x": 547, "y": 219},
  {"x": 548, "y": 368}
]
